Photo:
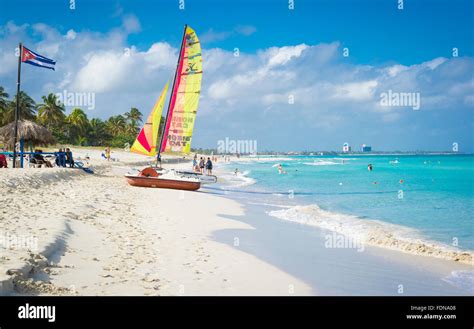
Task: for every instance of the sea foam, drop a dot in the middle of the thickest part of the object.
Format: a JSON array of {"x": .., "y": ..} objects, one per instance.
[
  {"x": 239, "y": 179},
  {"x": 322, "y": 163},
  {"x": 372, "y": 232},
  {"x": 462, "y": 279}
]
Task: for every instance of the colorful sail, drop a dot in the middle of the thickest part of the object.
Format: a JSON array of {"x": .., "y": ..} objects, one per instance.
[
  {"x": 184, "y": 96},
  {"x": 146, "y": 142}
]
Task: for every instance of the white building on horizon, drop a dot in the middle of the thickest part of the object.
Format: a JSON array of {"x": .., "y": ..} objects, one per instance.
[
  {"x": 346, "y": 148},
  {"x": 366, "y": 148}
]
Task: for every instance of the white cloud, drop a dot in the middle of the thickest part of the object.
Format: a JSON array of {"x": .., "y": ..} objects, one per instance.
[
  {"x": 103, "y": 72},
  {"x": 434, "y": 63},
  {"x": 396, "y": 69},
  {"x": 131, "y": 24},
  {"x": 282, "y": 55},
  {"x": 245, "y": 29},
  {"x": 358, "y": 91},
  {"x": 160, "y": 54},
  {"x": 71, "y": 35},
  {"x": 212, "y": 35}
]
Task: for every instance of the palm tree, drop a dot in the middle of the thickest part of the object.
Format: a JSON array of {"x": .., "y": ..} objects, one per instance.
[
  {"x": 133, "y": 118},
  {"x": 78, "y": 118},
  {"x": 3, "y": 102},
  {"x": 51, "y": 111},
  {"x": 78, "y": 124},
  {"x": 134, "y": 115},
  {"x": 97, "y": 134},
  {"x": 131, "y": 129},
  {"x": 3, "y": 98},
  {"x": 81, "y": 140},
  {"x": 116, "y": 125},
  {"x": 27, "y": 109}
]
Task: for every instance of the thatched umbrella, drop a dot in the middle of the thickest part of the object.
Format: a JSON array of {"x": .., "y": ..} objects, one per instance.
[{"x": 32, "y": 133}]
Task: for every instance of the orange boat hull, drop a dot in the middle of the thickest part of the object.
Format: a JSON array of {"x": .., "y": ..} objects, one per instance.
[{"x": 143, "y": 181}]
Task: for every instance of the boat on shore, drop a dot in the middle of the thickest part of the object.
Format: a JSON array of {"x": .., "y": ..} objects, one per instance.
[
  {"x": 176, "y": 133},
  {"x": 149, "y": 177}
]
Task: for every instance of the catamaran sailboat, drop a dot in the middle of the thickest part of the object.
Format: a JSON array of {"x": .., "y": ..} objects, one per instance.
[
  {"x": 148, "y": 177},
  {"x": 179, "y": 123}
]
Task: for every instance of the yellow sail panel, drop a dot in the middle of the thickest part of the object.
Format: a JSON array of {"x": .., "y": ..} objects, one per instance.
[
  {"x": 185, "y": 97},
  {"x": 145, "y": 143}
]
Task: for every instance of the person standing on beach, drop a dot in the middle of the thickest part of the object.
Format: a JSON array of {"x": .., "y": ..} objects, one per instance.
[
  {"x": 60, "y": 158},
  {"x": 69, "y": 158},
  {"x": 107, "y": 153},
  {"x": 201, "y": 165},
  {"x": 209, "y": 166}
]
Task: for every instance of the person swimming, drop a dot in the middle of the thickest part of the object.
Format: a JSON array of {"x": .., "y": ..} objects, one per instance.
[
  {"x": 369, "y": 167},
  {"x": 280, "y": 169}
]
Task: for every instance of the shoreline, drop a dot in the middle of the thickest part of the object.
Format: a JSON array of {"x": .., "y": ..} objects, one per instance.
[
  {"x": 329, "y": 269},
  {"x": 366, "y": 231},
  {"x": 302, "y": 252},
  {"x": 374, "y": 233}
]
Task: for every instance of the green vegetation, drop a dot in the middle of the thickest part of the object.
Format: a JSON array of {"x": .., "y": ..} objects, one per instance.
[{"x": 75, "y": 128}]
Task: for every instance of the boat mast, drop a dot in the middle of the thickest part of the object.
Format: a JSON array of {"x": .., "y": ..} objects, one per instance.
[
  {"x": 17, "y": 109},
  {"x": 171, "y": 96}
]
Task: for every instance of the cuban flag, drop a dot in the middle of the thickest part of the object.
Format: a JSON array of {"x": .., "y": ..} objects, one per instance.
[{"x": 30, "y": 57}]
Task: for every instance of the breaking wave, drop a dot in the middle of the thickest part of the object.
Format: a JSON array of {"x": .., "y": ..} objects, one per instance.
[{"x": 372, "y": 232}]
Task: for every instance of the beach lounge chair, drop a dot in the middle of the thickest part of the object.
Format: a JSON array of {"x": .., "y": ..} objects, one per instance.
[
  {"x": 35, "y": 163},
  {"x": 80, "y": 165}
]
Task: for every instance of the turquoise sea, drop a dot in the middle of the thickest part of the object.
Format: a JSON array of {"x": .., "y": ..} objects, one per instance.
[{"x": 431, "y": 196}]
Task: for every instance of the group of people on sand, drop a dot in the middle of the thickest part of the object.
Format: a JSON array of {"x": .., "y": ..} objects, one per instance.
[
  {"x": 199, "y": 167},
  {"x": 62, "y": 158}
]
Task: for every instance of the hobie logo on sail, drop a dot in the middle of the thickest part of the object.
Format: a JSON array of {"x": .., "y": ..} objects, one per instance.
[{"x": 241, "y": 146}]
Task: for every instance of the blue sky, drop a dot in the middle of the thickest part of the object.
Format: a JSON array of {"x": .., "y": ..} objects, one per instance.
[
  {"x": 283, "y": 53},
  {"x": 373, "y": 29}
]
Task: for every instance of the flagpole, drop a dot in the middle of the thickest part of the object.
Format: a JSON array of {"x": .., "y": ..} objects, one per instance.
[
  {"x": 158, "y": 158},
  {"x": 17, "y": 110}
]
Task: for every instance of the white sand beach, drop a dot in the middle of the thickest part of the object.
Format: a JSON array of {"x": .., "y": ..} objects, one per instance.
[{"x": 67, "y": 232}]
